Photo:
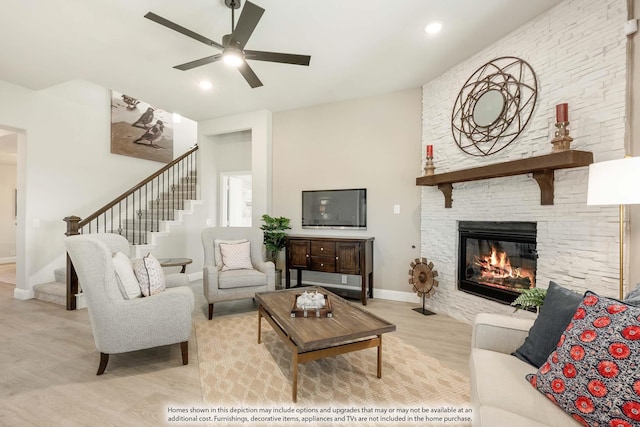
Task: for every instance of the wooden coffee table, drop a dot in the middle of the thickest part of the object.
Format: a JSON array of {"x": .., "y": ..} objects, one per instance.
[{"x": 351, "y": 328}]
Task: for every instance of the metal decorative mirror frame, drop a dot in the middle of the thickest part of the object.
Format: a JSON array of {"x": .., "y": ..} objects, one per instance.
[{"x": 494, "y": 106}]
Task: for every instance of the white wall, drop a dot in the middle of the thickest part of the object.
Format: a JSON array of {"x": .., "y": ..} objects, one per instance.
[
  {"x": 65, "y": 167},
  {"x": 214, "y": 136},
  {"x": 233, "y": 151},
  {"x": 370, "y": 143},
  {"x": 577, "y": 50}
]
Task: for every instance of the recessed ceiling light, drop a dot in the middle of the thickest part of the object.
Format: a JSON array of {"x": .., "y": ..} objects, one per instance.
[
  {"x": 205, "y": 85},
  {"x": 433, "y": 28}
]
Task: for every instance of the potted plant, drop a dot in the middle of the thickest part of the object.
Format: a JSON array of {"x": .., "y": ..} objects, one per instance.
[
  {"x": 530, "y": 299},
  {"x": 274, "y": 234}
]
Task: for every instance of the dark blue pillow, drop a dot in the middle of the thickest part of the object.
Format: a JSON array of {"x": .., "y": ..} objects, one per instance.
[{"x": 559, "y": 306}]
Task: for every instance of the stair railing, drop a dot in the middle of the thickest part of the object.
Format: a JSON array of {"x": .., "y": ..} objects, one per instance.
[{"x": 139, "y": 210}]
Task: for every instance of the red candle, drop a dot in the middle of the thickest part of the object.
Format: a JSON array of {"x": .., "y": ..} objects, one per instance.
[
  {"x": 562, "y": 112},
  {"x": 429, "y": 150}
]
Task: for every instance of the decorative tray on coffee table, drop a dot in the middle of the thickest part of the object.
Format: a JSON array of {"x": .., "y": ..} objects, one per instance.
[{"x": 312, "y": 311}]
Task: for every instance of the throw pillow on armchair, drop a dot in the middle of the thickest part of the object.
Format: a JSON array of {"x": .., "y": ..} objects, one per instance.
[{"x": 150, "y": 275}]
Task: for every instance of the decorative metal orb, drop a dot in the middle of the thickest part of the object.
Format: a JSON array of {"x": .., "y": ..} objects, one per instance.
[{"x": 494, "y": 106}]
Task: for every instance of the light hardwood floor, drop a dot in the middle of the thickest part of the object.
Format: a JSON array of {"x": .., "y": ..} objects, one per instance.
[
  {"x": 48, "y": 363},
  {"x": 8, "y": 273}
]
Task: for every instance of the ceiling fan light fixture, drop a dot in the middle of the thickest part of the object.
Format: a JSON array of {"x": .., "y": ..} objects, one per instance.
[
  {"x": 232, "y": 57},
  {"x": 233, "y": 44}
]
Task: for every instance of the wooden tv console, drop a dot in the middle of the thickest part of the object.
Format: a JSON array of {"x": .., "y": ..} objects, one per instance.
[{"x": 343, "y": 255}]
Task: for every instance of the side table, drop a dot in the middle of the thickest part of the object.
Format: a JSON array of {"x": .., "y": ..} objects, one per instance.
[{"x": 175, "y": 262}]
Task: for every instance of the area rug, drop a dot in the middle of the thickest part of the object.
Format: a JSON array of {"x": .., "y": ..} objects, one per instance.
[{"x": 237, "y": 372}]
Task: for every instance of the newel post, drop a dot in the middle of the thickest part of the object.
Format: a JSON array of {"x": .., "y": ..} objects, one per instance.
[{"x": 72, "y": 278}]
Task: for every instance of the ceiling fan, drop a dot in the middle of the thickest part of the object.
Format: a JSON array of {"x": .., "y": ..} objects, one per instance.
[{"x": 232, "y": 46}]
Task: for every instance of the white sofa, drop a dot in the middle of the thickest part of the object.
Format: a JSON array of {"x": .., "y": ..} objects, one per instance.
[{"x": 500, "y": 393}]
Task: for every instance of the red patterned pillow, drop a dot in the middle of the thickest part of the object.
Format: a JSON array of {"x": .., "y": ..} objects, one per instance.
[{"x": 594, "y": 374}]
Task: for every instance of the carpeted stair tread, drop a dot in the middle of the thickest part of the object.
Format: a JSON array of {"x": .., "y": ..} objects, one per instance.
[{"x": 53, "y": 292}]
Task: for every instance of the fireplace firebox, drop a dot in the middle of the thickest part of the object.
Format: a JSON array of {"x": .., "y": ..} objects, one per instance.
[{"x": 496, "y": 260}]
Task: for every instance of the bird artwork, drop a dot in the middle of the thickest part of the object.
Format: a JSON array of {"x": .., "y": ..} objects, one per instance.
[
  {"x": 131, "y": 102},
  {"x": 140, "y": 129},
  {"x": 151, "y": 135},
  {"x": 145, "y": 119}
]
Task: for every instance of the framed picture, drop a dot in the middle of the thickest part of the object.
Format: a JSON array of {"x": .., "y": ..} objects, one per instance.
[{"x": 140, "y": 130}]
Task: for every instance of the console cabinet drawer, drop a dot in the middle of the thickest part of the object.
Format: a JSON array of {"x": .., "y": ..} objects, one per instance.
[
  {"x": 324, "y": 264},
  {"x": 319, "y": 248}
]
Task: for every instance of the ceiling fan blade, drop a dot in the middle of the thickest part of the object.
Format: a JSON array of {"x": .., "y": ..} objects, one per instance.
[
  {"x": 247, "y": 22},
  {"x": 249, "y": 75},
  {"x": 285, "y": 58},
  {"x": 172, "y": 25},
  {"x": 199, "y": 62}
]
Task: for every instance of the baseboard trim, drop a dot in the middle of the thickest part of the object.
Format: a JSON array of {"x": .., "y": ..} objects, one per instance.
[
  {"x": 195, "y": 276},
  {"x": 396, "y": 295},
  {"x": 80, "y": 301},
  {"x": 22, "y": 294},
  {"x": 8, "y": 260}
]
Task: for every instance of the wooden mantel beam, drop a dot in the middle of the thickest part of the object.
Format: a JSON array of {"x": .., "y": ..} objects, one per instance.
[{"x": 542, "y": 168}]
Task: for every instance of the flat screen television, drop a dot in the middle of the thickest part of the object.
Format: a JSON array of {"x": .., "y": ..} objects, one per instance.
[{"x": 341, "y": 209}]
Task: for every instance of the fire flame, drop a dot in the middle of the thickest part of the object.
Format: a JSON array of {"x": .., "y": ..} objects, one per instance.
[{"x": 497, "y": 265}]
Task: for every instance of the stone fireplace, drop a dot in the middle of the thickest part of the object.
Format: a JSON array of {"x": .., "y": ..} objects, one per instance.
[
  {"x": 576, "y": 245},
  {"x": 496, "y": 260}
]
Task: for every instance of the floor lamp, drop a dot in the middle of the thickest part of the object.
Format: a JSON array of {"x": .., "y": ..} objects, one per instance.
[{"x": 615, "y": 182}]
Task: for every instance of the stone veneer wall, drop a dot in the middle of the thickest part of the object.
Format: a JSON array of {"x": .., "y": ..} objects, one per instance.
[{"x": 578, "y": 52}]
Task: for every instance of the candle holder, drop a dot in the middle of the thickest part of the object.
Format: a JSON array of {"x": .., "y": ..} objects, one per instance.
[
  {"x": 429, "y": 168},
  {"x": 562, "y": 140}
]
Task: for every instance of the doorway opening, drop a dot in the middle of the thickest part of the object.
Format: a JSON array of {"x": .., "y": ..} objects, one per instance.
[
  {"x": 9, "y": 200},
  {"x": 236, "y": 198}
]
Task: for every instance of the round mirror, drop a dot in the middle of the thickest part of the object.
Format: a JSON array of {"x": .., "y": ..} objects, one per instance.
[
  {"x": 494, "y": 106},
  {"x": 488, "y": 108}
]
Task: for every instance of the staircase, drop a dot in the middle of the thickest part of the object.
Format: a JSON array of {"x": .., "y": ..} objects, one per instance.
[
  {"x": 168, "y": 208},
  {"x": 143, "y": 215},
  {"x": 56, "y": 291}
]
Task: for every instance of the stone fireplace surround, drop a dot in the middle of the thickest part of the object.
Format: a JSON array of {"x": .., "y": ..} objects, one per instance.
[
  {"x": 577, "y": 50},
  {"x": 576, "y": 243}
]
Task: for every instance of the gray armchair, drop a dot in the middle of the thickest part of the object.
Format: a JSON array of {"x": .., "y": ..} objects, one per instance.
[
  {"x": 120, "y": 325},
  {"x": 234, "y": 284}
]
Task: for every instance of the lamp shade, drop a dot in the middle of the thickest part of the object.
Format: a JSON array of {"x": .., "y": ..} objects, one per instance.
[{"x": 615, "y": 182}]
